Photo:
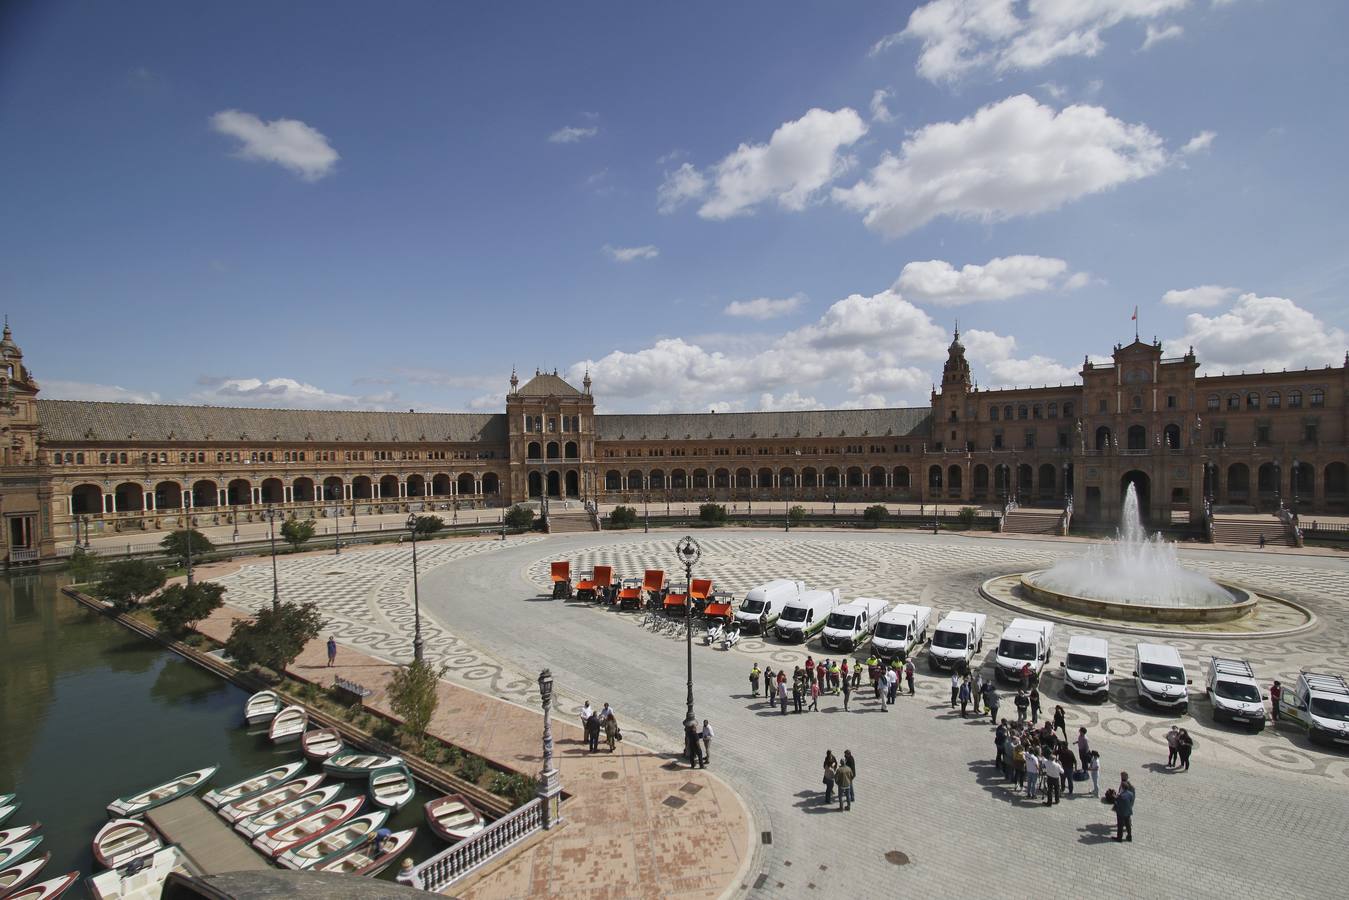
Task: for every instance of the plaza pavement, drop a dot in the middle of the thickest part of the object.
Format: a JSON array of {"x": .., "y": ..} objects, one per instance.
[{"x": 1257, "y": 813}]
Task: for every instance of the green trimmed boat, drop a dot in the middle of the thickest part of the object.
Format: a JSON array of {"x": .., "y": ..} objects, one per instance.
[
  {"x": 133, "y": 805},
  {"x": 355, "y": 764}
]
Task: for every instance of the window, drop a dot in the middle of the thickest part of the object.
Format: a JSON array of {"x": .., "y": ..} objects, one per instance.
[
  {"x": 993, "y": 413},
  {"x": 1309, "y": 433},
  {"x": 1294, "y": 399},
  {"x": 1007, "y": 413},
  {"x": 1035, "y": 411},
  {"x": 997, "y": 442},
  {"x": 1214, "y": 402},
  {"x": 1253, "y": 400},
  {"x": 1137, "y": 401},
  {"x": 79, "y": 459},
  {"x": 1220, "y": 437},
  {"x": 552, "y": 423},
  {"x": 1318, "y": 397},
  {"x": 1234, "y": 402},
  {"x": 1170, "y": 401},
  {"x": 1272, "y": 401},
  {"x": 953, "y": 415},
  {"x": 1100, "y": 405},
  {"x": 1022, "y": 412},
  {"x": 1068, "y": 410},
  {"x": 1262, "y": 434},
  {"x": 1053, "y": 410},
  {"x": 1030, "y": 439},
  {"x": 1063, "y": 440}
]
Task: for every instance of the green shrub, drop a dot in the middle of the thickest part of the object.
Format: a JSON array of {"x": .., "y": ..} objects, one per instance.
[
  {"x": 519, "y": 518},
  {"x": 412, "y": 694},
  {"x": 472, "y": 768},
  {"x": 517, "y": 788},
  {"x": 385, "y": 730},
  {"x": 276, "y": 635},
  {"x": 875, "y": 514},
  {"x": 296, "y": 531},
  {"x": 181, "y": 606},
  {"x": 796, "y": 515},
  {"x": 175, "y": 544},
  {"x": 966, "y": 516},
  {"x": 622, "y": 517},
  {"x": 429, "y": 525},
  {"x": 713, "y": 513},
  {"x": 127, "y": 581},
  {"x": 84, "y": 566}
]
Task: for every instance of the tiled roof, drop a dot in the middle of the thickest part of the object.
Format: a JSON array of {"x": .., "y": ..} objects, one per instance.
[
  {"x": 546, "y": 384},
  {"x": 828, "y": 423},
  {"x": 86, "y": 420}
]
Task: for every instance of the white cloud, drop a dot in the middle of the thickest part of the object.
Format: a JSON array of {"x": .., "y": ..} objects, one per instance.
[
  {"x": 1206, "y": 295},
  {"x": 284, "y": 393},
  {"x": 628, "y": 254},
  {"x": 1012, "y": 158},
  {"x": 937, "y": 281},
  {"x": 83, "y": 390},
  {"x": 289, "y": 143},
  {"x": 792, "y": 400},
  {"x": 958, "y": 36},
  {"x": 1199, "y": 143},
  {"x": 907, "y": 380},
  {"x": 993, "y": 354},
  {"x": 866, "y": 401},
  {"x": 799, "y": 159},
  {"x": 764, "y": 307},
  {"x": 1156, "y": 35},
  {"x": 680, "y": 186},
  {"x": 570, "y": 134},
  {"x": 879, "y": 111},
  {"x": 1262, "y": 333}
]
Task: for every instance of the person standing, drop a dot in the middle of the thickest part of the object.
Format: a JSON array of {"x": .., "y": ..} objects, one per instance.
[
  {"x": 1184, "y": 747},
  {"x": 798, "y": 692},
  {"x": 1061, "y": 721},
  {"x": 1035, "y": 703},
  {"x": 754, "y": 675},
  {"x": 1052, "y": 773},
  {"x": 878, "y": 686},
  {"x": 851, "y": 762},
  {"x": 964, "y": 696},
  {"x": 810, "y": 668},
  {"x": 1032, "y": 772},
  {"x": 999, "y": 736},
  {"x": 691, "y": 749},
  {"x": 908, "y": 674},
  {"x": 1172, "y": 750},
  {"x": 843, "y": 779},
  {"x": 1094, "y": 770},
  {"x": 332, "y": 650},
  {"x": 1068, "y": 765},
  {"x": 830, "y": 767},
  {"x": 1022, "y": 701},
  {"x": 705, "y": 737},
  {"x": 843, "y": 672},
  {"x": 589, "y": 727},
  {"x": 975, "y": 695},
  {"x": 782, "y": 692},
  {"x": 1025, "y": 676},
  {"x": 891, "y": 685},
  {"x": 991, "y": 700},
  {"x": 955, "y": 689},
  {"x": 1018, "y": 765},
  {"x": 611, "y": 733},
  {"x": 1275, "y": 695},
  {"x": 769, "y": 683},
  {"x": 1124, "y": 809},
  {"x": 847, "y": 692},
  {"x": 1083, "y": 748},
  {"x": 815, "y": 696}
]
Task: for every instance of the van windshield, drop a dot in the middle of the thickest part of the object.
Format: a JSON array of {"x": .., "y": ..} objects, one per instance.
[
  {"x": 951, "y": 640},
  {"x": 1016, "y": 649},
  {"x": 1330, "y": 709},
  {"x": 752, "y": 606},
  {"x": 1079, "y": 663},
  {"x": 892, "y": 631},
  {"x": 844, "y": 621},
  {"x": 1163, "y": 674},
  {"x": 794, "y": 614},
  {"x": 1235, "y": 690}
]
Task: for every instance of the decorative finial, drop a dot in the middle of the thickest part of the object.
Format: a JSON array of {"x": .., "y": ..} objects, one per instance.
[{"x": 957, "y": 329}]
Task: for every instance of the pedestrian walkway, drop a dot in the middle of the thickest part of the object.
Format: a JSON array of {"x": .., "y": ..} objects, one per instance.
[{"x": 635, "y": 824}]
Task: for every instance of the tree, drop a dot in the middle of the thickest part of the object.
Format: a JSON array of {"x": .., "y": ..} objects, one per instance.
[
  {"x": 875, "y": 514},
  {"x": 175, "y": 544},
  {"x": 275, "y": 636},
  {"x": 796, "y": 515},
  {"x": 84, "y": 566},
  {"x": 966, "y": 516},
  {"x": 712, "y": 512},
  {"x": 178, "y": 607},
  {"x": 297, "y": 531},
  {"x": 622, "y": 516},
  {"x": 519, "y": 518},
  {"x": 126, "y": 581},
  {"x": 429, "y": 524},
  {"x": 412, "y": 695}
]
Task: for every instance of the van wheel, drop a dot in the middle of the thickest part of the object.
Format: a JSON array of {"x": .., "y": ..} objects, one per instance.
[{"x": 980, "y": 647}]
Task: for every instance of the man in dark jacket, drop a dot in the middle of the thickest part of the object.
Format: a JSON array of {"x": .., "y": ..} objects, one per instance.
[{"x": 1124, "y": 809}]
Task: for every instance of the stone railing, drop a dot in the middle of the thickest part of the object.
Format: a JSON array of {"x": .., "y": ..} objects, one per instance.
[{"x": 448, "y": 866}]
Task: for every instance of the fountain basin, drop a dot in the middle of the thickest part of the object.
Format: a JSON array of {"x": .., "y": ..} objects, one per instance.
[{"x": 1242, "y": 605}]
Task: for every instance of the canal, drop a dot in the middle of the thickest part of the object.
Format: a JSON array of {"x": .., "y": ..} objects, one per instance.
[{"x": 90, "y": 712}]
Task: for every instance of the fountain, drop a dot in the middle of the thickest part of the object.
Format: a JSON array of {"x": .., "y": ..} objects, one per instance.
[{"x": 1136, "y": 577}]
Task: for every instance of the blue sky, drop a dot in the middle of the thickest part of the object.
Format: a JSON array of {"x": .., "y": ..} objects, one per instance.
[{"x": 710, "y": 205}]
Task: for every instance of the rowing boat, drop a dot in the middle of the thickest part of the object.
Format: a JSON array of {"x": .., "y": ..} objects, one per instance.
[
  {"x": 321, "y": 743},
  {"x": 16, "y": 876},
  {"x": 353, "y": 764},
  {"x": 392, "y": 786},
  {"x": 122, "y": 840},
  {"x": 135, "y": 804},
  {"x": 310, "y": 825},
  {"x": 10, "y": 835},
  {"x": 288, "y": 725},
  {"x": 46, "y": 890},
  {"x": 453, "y": 817},
  {"x": 366, "y": 858},
  {"x": 255, "y": 784},
  {"x": 8, "y": 806},
  {"x": 345, "y": 836},
  {"x": 13, "y": 854},
  {"x": 262, "y": 707},
  {"x": 142, "y": 879},
  {"x": 272, "y": 797}
]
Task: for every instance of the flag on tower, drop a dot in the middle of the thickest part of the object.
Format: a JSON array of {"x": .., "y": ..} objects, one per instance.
[{"x": 1134, "y": 317}]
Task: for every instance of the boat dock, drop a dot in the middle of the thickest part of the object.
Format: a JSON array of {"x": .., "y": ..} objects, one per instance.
[{"x": 210, "y": 845}]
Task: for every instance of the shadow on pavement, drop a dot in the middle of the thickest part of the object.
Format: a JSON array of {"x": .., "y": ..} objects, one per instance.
[{"x": 1096, "y": 833}]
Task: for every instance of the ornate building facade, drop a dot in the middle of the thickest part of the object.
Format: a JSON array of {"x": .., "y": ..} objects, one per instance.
[{"x": 1258, "y": 441}]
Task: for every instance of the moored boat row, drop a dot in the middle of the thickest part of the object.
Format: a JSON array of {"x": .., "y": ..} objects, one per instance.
[{"x": 19, "y": 867}]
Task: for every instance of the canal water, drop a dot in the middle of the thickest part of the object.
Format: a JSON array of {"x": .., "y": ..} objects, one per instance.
[{"x": 90, "y": 712}]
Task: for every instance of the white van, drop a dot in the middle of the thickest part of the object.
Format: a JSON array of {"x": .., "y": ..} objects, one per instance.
[
  {"x": 1086, "y": 668},
  {"x": 1159, "y": 674},
  {"x": 1024, "y": 642},
  {"x": 958, "y": 637},
  {"x": 1234, "y": 694},
  {"x": 850, "y": 623},
  {"x": 763, "y": 604},
  {"x": 901, "y": 631},
  {"x": 803, "y": 617},
  {"x": 1320, "y": 704}
]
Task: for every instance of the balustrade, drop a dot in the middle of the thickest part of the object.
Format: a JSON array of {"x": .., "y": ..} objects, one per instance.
[{"x": 448, "y": 866}]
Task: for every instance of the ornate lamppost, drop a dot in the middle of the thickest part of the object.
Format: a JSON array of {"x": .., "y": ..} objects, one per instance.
[
  {"x": 416, "y": 599},
  {"x": 688, "y": 552},
  {"x": 270, "y": 513},
  {"x": 550, "y": 787},
  {"x": 1295, "y": 484},
  {"x": 337, "y": 530}
]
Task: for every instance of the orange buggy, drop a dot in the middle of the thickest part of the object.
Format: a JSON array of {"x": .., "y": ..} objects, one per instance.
[
  {"x": 597, "y": 585},
  {"x": 561, "y": 573},
  {"x": 653, "y": 586}
]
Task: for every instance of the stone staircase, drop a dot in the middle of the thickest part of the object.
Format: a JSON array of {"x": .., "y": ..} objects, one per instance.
[
  {"x": 1028, "y": 520},
  {"x": 1248, "y": 529},
  {"x": 570, "y": 521}
]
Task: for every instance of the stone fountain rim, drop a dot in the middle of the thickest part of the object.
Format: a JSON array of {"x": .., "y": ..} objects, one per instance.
[{"x": 1243, "y": 603}]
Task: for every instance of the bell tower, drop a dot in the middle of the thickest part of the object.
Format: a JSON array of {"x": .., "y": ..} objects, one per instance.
[
  {"x": 955, "y": 375},
  {"x": 25, "y": 498},
  {"x": 949, "y": 404}
]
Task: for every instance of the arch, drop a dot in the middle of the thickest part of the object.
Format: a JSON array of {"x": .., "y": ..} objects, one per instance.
[
  {"x": 554, "y": 484},
  {"x": 302, "y": 490},
  {"x": 1137, "y": 437},
  {"x": 86, "y": 500},
  {"x": 441, "y": 485},
  {"x": 854, "y": 476},
  {"x": 128, "y": 496},
  {"x": 1337, "y": 481},
  {"x": 1171, "y": 435},
  {"x": 362, "y": 488},
  {"x": 464, "y": 484},
  {"x": 635, "y": 481},
  {"x": 1303, "y": 483},
  {"x": 570, "y": 450},
  {"x": 955, "y": 478},
  {"x": 1002, "y": 479},
  {"x": 1142, "y": 486},
  {"x": 388, "y": 486},
  {"x": 553, "y": 451},
  {"x": 831, "y": 477},
  {"x": 656, "y": 478},
  {"x": 699, "y": 478},
  {"x": 679, "y": 480},
  {"x": 1267, "y": 479},
  {"x": 876, "y": 476},
  {"x": 809, "y": 477},
  {"x": 239, "y": 492},
  {"x": 981, "y": 480},
  {"x": 934, "y": 477},
  {"x": 613, "y": 481},
  {"x": 901, "y": 476},
  {"x": 787, "y": 478},
  {"x": 743, "y": 479},
  {"x": 1025, "y": 476},
  {"x": 535, "y": 483},
  {"x": 1103, "y": 438},
  {"x": 273, "y": 491},
  {"x": 573, "y": 481},
  {"x": 168, "y": 495},
  {"x": 534, "y": 450},
  {"x": 491, "y": 483},
  {"x": 721, "y": 478},
  {"x": 416, "y": 486},
  {"x": 1238, "y": 481},
  {"x": 205, "y": 493},
  {"x": 332, "y": 488},
  {"x": 764, "y": 478},
  {"x": 1047, "y": 475}
]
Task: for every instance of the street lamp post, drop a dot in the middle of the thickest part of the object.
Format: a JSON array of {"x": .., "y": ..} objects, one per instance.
[
  {"x": 1295, "y": 484},
  {"x": 646, "y": 514},
  {"x": 270, "y": 513},
  {"x": 337, "y": 530},
  {"x": 550, "y": 787},
  {"x": 187, "y": 535},
  {"x": 688, "y": 552},
  {"x": 416, "y": 599}
]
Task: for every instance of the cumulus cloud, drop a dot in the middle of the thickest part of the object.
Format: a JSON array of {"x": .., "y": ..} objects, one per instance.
[
  {"x": 1199, "y": 143},
  {"x": 1206, "y": 295},
  {"x": 958, "y": 36},
  {"x": 84, "y": 390},
  {"x": 628, "y": 254},
  {"x": 879, "y": 111},
  {"x": 1156, "y": 35},
  {"x": 1011, "y": 158},
  {"x": 799, "y": 159},
  {"x": 284, "y": 393},
  {"x": 289, "y": 143},
  {"x": 995, "y": 355},
  {"x": 679, "y": 187},
  {"x": 764, "y": 307},
  {"x": 570, "y": 134},
  {"x": 792, "y": 400},
  {"x": 1262, "y": 333},
  {"x": 866, "y": 401},
  {"x": 906, "y": 380},
  {"x": 937, "y": 281}
]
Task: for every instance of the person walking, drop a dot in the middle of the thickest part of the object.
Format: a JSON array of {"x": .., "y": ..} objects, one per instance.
[
  {"x": 843, "y": 673},
  {"x": 1068, "y": 765},
  {"x": 1124, "y": 809},
  {"x": 611, "y": 733},
  {"x": 1172, "y": 750},
  {"x": 830, "y": 767},
  {"x": 1035, "y": 703},
  {"x": 843, "y": 779},
  {"x": 782, "y": 692},
  {"x": 705, "y": 742},
  {"x": 1052, "y": 773},
  {"x": 964, "y": 696},
  {"x": 1083, "y": 748},
  {"x": 1060, "y": 721},
  {"x": 815, "y": 696},
  {"x": 1184, "y": 747},
  {"x": 1032, "y": 772},
  {"x": 1094, "y": 770},
  {"x": 1275, "y": 695},
  {"x": 754, "y": 675},
  {"x": 856, "y": 676},
  {"x": 332, "y": 650},
  {"x": 1022, "y": 701},
  {"x": 908, "y": 674},
  {"x": 810, "y": 668},
  {"x": 955, "y": 688},
  {"x": 590, "y": 727},
  {"x": 691, "y": 748},
  {"x": 847, "y": 693},
  {"x": 878, "y": 686},
  {"x": 991, "y": 700}
]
